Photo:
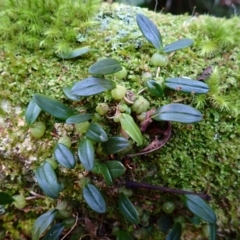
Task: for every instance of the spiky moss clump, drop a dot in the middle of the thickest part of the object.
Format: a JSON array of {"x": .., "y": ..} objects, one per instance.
[{"x": 45, "y": 24}]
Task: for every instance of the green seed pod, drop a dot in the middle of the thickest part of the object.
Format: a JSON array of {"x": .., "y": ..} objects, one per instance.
[
  {"x": 124, "y": 108},
  {"x": 19, "y": 201},
  {"x": 121, "y": 74},
  {"x": 119, "y": 92},
  {"x": 102, "y": 108},
  {"x": 65, "y": 140},
  {"x": 53, "y": 162},
  {"x": 168, "y": 207},
  {"x": 181, "y": 220},
  {"x": 159, "y": 60},
  {"x": 82, "y": 127},
  {"x": 141, "y": 117},
  {"x": 140, "y": 105},
  {"x": 38, "y": 129}
]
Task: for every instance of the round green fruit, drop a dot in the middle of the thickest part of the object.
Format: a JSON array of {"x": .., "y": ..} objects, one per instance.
[
  {"x": 102, "y": 108},
  {"x": 19, "y": 201},
  {"x": 65, "y": 140},
  {"x": 168, "y": 207},
  {"x": 119, "y": 92},
  {"x": 159, "y": 60},
  {"x": 38, "y": 129},
  {"x": 82, "y": 127},
  {"x": 181, "y": 220},
  {"x": 140, "y": 105},
  {"x": 121, "y": 74},
  {"x": 53, "y": 162}
]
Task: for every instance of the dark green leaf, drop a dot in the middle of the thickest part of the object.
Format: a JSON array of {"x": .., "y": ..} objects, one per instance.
[
  {"x": 175, "y": 233},
  {"x": 79, "y": 118},
  {"x": 177, "y": 112},
  {"x": 115, "y": 168},
  {"x": 212, "y": 231},
  {"x": 150, "y": 31},
  {"x": 47, "y": 180},
  {"x": 5, "y": 198},
  {"x": 64, "y": 156},
  {"x": 114, "y": 145},
  {"x": 42, "y": 223},
  {"x": 200, "y": 208},
  {"x": 91, "y": 86},
  {"x": 155, "y": 88},
  {"x": 86, "y": 154},
  {"x": 94, "y": 198},
  {"x": 164, "y": 223},
  {"x": 32, "y": 112},
  {"x": 74, "y": 53},
  {"x": 127, "y": 209},
  {"x": 106, "y": 174},
  {"x": 54, "y": 232},
  {"x": 105, "y": 67},
  {"x": 121, "y": 235},
  {"x": 96, "y": 133},
  {"x": 53, "y": 107},
  {"x": 131, "y": 128},
  {"x": 179, "y": 44},
  {"x": 187, "y": 85},
  {"x": 69, "y": 95}
]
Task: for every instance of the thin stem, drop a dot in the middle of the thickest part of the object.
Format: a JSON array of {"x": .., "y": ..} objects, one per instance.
[{"x": 71, "y": 228}]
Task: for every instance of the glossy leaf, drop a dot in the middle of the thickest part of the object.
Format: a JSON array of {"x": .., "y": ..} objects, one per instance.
[
  {"x": 74, "y": 53},
  {"x": 155, "y": 88},
  {"x": 179, "y": 44},
  {"x": 86, "y": 154},
  {"x": 79, "y": 118},
  {"x": 5, "y": 198},
  {"x": 175, "y": 233},
  {"x": 177, "y": 112},
  {"x": 115, "y": 168},
  {"x": 187, "y": 85},
  {"x": 64, "y": 156},
  {"x": 105, "y": 67},
  {"x": 53, "y": 107},
  {"x": 96, "y": 133},
  {"x": 91, "y": 86},
  {"x": 131, "y": 128},
  {"x": 212, "y": 232},
  {"x": 94, "y": 198},
  {"x": 150, "y": 31},
  {"x": 127, "y": 209},
  {"x": 121, "y": 235},
  {"x": 32, "y": 112},
  {"x": 106, "y": 174},
  {"x": 114, "y": 145},
  {"x": 200, "y": 208},
  {"x": 47, "y": 180},
  {"x": 69, "y": 95},
  {"x": 42, "y": 223},
  {"x": 54, "y": 232}
]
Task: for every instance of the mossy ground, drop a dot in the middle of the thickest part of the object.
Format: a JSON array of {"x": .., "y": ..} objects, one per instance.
[{"x": 204, "y": 157}]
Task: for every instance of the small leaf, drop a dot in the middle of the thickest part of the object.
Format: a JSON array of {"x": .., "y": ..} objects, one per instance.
[
  {"x": 115, "y": 168},
  {"x": 79, "y": 118},
  {"x": 121, "y": 235},
  {"x": 200, "y": 208},
  {"x": 42, "y": 223},
  {"x": 5, "y": 198},
  {"x": 96, "y": 133},
  {"x": 177, "y": 112},
  {"x": 114, "y": 145},
  {"x": 187, "y": 85},
  {"x": 91, "y": 86},
  {"x": 54, "y": 232},
  {"x": 150, "y": 31},
  {"x": 74, "y": 53},
  {"x": 106, "y": 174},
  {"x": 69, "y": 95},
  {"x": 212, "y": 231},
  {"x": 175, "y": 233},
  {"x": 179, "y": 44},
  {"x": 105, "y": 67},
  {"x": 53, "y": 107},
  {"x": 64, "y": 156},
  {"x": 155, "y": 88},
  {"x": 131, "y": 128},
  {"x": 32, "y": 112},
  {"x": 94, "y": 198},
  {"x": 164, "y": 223},
  {"x": 86, "y": 154},
  {"x": 47, "y": 180},
  {"x": 127, "y": 209}
]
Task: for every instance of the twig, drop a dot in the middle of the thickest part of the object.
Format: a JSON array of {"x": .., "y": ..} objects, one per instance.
[{"x": 71, "y": 228}]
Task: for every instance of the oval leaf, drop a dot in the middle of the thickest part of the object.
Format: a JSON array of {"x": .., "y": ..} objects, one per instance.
[
  {"x": 42, "y": 223},
  {"x": 115, "y": 168},
  {"x": 200, "y": 208},
  {"x": 79, "y": 118},
  {"x": 96, "y": 133},
  {"x": 54, "y": 232},
  {"x": 187, "y": 85},
  {"x": 47, "y": 180},
  {"x": 212, "y": 231},
  {"x": 74, "y": 53},
  {"x": 86, "y": 154},
  {"x": 105, "y": 67},
  {"x": 155, "y": 88},
  {"x": 127, "y": 209},
  {"x": 94, "y": 198},
  {"x": 64, "y": 156},
  {"x": 32, "y": 112},
  {"x": 53, "y": 107},
  {"x": 91, "y": 86},
  {"x": 150, "y": 31},
  {"x": 177, "y": 112},
  {"x": 5, "y": 198},
  {"x": 114, "y": 145},
  {"x": 69, "y": 95},
  {"x": 131, "y": 128},
  {"x": 106, "y": 174},
  {"x": 179, "y": 44},
  {"x": 175, "y": 233}
]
